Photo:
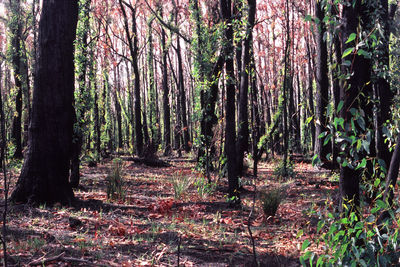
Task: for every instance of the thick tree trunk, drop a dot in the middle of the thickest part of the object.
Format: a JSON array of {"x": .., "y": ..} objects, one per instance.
[
  {"x": 44, "y": 175},
  {"x": 322, "y": 93},
  {"x": 357, "y": 84}
]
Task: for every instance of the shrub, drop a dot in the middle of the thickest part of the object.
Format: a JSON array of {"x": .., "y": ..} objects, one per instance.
[
  {"x": 270, "y": 201},
  {"x": 204, "y": 187},
  {"x": 115, "y": 181},
  {"x": 350, "y": 239},
  {"x": 181, "y": 183},
  {"x": 281, "y": 172}
]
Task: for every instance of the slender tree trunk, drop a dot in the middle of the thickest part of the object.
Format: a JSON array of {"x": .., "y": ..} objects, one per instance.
[
  {"x": 243, "y": 129},
  {"x": 44, "y": 175},
  {"x": 166, "y": 107},
  {"x": 230, "y": 131},
  {"x": 182, "y": 97},
  {"x": 133, "y": 47},
  {"x": 15, "y": 26}
]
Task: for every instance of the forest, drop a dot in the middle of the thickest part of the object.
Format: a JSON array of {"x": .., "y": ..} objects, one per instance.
[{"x": 199, "y": 132}]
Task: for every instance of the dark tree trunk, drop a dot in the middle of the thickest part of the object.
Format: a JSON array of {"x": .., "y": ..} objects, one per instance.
[
  {"x": 243, "y": 127},
  {"x": 358, "y": 83},
  {"x": 310, "y": 93},
  {"x": 336, "y": 87},
  {"x": 230, "y": 131},
  {"x": 15, "y": 26},
  {"x": 383, "y": 93},
  {"x": 44, "y": 175},
  {"x": 182, "y": 98},
  {"x": 118, "y": 105},
  {"x": 97, "y": 123},
  {"x": 322, "y": 81},
  {"x": 133, "y": 48},
  {"x": 81, "y": 100},
  {"x": 166, "y": 107}
]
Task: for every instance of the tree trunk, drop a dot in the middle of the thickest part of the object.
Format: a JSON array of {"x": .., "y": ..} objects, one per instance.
[
  {"x": 358, "y": 84},
  {"x": 166, "y": 107},
  {"x": 182, "y": 97},
  {"x": 230, "y": 131},
  {"x": 322, "y": 81},
  {"x": 44, "y": 175},
  {"x": 243, "y": 127},
  {"x": 133, "y": 48},
  {"x": 15, "y": 26}
]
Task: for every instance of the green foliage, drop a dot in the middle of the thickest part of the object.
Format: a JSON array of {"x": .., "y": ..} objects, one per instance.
[
  {"x": 350, "y": 239},
  {"x": 204, "y": 188},
  {"x": 181, "y": 183},
  {"x": 115, "y": 181},
  {"x": 270, "y": 200},
  {"x": 283, "y": 170}
]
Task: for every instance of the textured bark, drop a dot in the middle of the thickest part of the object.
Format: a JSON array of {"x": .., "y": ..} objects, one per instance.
[
  {"x": 383, "y": 93},
  {"x": 182, "y": 98},
  {"x": 230, "y": 131},
  {"x": 243, "y": 127},
  {"x": 44, "y": 175},
  {"x": 133, "y": 48},
  {"x": 166, "y": 107},
  {"x": 16, "y": 58},
  {"x": 322, "y": 81},
  {"x": 358, "y": 84}
]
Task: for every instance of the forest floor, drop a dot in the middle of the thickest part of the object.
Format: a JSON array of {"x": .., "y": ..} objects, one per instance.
[{"x": 152, "y": 227}]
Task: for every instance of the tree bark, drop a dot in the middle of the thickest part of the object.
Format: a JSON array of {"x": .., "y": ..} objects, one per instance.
[
  {"x": 166, "y": 107},
  {"x": 15, "y": 26},
  {"x": 322, "y": 81},
  {"x": 133, "y": 47},
  {"x": 230, "y": 131},
  {"x": 44, "y": 175},
  {"x": 243, "y": 127}
]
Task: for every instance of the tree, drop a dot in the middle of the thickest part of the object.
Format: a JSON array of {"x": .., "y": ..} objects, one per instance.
[
  {"x": 134, "y": 50},
  {"x": 230, "y": 131},
  {"x": 357, "y": 109},
  {"x": 18, "y": 60},
  {"x": 44, "y": 175},
  {"x": 243, "y": 129},
  {"x": 322, "y": 81}
]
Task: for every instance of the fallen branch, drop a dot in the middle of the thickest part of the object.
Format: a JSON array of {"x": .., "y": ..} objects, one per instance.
[{"x": 44, "y": 261}]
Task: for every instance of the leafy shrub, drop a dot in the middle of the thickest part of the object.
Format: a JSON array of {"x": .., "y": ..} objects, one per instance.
[
  {"x": 270, "y": 201},
  {"x": 181, "y": 183},
  {"x": 204, "y": 188},
  {"x": 281, "y": 172},
  {"x": 352, "y": 240},
  {"x": 115, "y": 181}
]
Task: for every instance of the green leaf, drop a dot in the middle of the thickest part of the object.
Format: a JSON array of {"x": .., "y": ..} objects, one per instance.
[
  {"x": 299, "y": 233},
  {"x": 309, "y": 119},
  {"x": 352, "y": 37},
  {"x": 305, "y": 245},
  {"x": 381, "y": 204},
  {"x": 375, "y": 210},
  {"x": 308, "y": 18},
  {"x": 340, "y": 106},
  {"x": 347, "y": 52},
  {"x": 362, "y": 164}
]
